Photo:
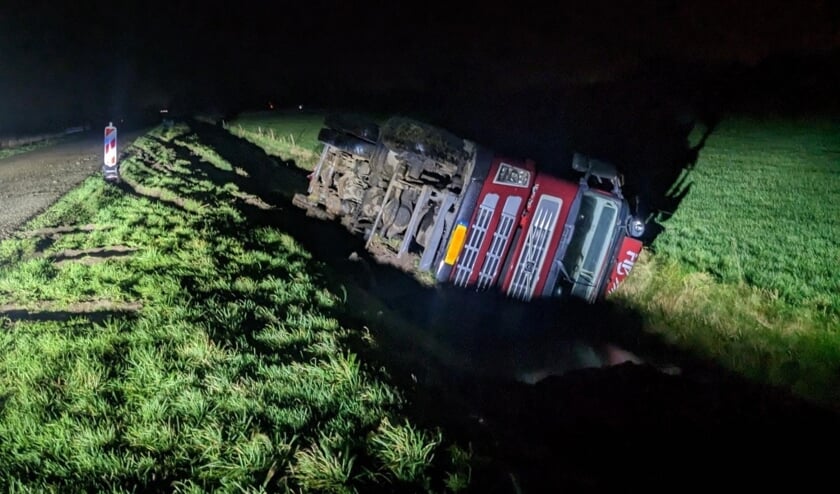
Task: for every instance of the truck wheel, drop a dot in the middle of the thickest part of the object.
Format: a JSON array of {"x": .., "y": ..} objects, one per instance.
[
  {"x": 355, "y": 126},
  {"x": 347, "y": 143}
]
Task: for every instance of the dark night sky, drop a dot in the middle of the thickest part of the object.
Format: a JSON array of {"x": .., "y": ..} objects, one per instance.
[{"x": 67, "y": 61}]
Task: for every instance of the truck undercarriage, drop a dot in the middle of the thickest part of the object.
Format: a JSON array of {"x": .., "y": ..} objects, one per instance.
[{"x": 447, "y": 206}]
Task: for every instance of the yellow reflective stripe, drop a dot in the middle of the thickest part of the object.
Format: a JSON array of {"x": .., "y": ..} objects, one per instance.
[{"x": 456, "y": 243}]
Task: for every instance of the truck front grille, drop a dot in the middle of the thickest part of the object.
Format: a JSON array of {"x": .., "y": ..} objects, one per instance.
[
  {"x": 490, "y": 267},
  {"x": 478, "y": 230},
  {"x": 534, "y": 250}
]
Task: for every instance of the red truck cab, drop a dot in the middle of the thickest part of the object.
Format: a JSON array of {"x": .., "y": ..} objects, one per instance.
[{"x": 536, "y": 235}]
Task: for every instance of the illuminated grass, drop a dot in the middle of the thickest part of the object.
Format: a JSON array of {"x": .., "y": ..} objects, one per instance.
[
  {"x": 764, "y": 210},
  {"x": 404, "y": 450},
  {"x": 292, "y": 136},
  {"x": 743, "y": 328},
  {"x": 745, "y": 271},
  {"x": 234, "y": 376},
  {"x": 205, "y": 153}
]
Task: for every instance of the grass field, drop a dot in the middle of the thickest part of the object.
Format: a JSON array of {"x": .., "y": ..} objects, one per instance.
[
  {"x": 765, "y": 211},
  {"x": 292, "y": 136},
  {"x": 163, "y": 336},
  {"x": 745, "y": 273}
]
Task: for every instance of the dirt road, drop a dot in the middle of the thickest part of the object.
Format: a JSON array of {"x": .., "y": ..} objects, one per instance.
[{"x": 31, "y": 182}]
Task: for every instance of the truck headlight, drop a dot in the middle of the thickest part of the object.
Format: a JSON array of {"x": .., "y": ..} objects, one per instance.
[
  {"x": 511, "y": 175},
  {"x": 635, "y": 227}
]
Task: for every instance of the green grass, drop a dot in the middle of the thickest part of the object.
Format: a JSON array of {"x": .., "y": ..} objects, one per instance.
[
  {"x": 290, "y": 136},
  {"x": 745, "y": 273},
  {"x": 741, "y": 327},
  {"x": 765, "y": 210},
  {"x": 234, "y": 374}
]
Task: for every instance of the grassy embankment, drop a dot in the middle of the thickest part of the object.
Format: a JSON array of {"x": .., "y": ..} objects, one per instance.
[
  {"x": 746, "y": 272},
  {"x": 156, "y": 337},
  {"x": 294, "y": 136}
]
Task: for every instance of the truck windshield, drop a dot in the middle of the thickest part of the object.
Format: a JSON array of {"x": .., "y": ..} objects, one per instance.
[{"x": 593, "y": 232}]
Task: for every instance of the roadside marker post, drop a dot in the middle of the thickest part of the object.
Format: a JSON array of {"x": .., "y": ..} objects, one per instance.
[{"x": 110, "y": 170}]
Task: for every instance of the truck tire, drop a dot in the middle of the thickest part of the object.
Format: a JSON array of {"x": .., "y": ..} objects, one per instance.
[
  {"x": 347, "y": 143},
  {"x": 355, "y": 126}
]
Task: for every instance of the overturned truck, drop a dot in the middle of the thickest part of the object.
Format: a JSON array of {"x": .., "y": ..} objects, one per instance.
[{"x": 446, "y": 206}]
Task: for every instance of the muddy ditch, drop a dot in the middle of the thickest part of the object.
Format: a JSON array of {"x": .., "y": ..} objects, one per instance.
[{"x": 549, "y": 396}]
